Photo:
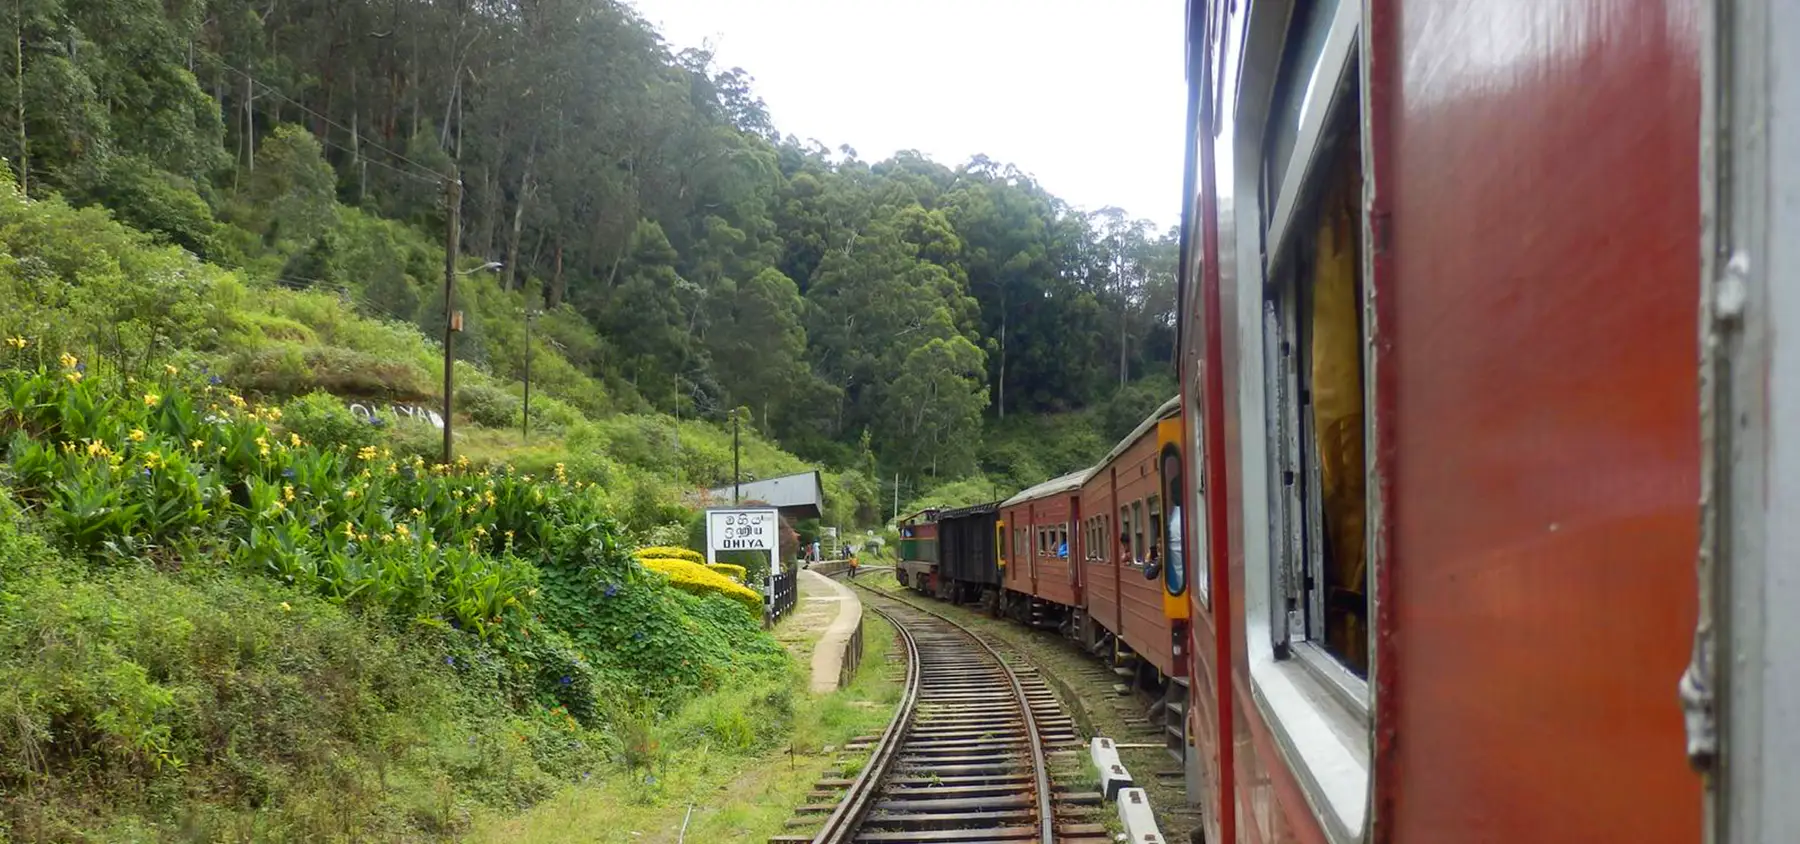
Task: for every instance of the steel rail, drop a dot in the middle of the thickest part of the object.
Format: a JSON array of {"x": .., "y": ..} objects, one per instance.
[
  {"x": 840, "y": 827},
  {"x": 1046, "y": 813}
]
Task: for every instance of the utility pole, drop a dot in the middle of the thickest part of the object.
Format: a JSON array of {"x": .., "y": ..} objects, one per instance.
[
  {"x": 525, "y": 421},
  {"x": 896, "y": 496},
  {"x": 736, "y": 479},
  {"x": 452, "y": 320}
]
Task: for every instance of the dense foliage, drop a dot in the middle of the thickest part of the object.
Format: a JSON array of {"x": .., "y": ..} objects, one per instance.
[
  {"x": 688, "y": 257},
  {"x": 520, "y": 584}
]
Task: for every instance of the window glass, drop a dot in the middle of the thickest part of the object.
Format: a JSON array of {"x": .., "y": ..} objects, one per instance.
[
  {"x": 1317, "y": 394},
  {"x": 1137, "y": 532},
  {"x": 1305, "y": 49},
  {"x": 1154, "y": 536},
  {"x": 1123, "y": 537}
]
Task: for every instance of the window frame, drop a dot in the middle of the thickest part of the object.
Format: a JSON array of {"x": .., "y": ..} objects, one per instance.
[
  {"x": 1322, "y": 737},
  {"x": 1154, "y": 535},
  {"x": 1137, "y": 532}
]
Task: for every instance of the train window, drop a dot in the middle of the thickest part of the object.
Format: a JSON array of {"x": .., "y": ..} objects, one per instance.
[
  {"x": 1138, "y": 549},
  {"x": 1154, "y": 537},
  {"x": 1062, "y": 540},
  {"x": 1313, "y": 346},
  {"x": 1124, "y": 535}
]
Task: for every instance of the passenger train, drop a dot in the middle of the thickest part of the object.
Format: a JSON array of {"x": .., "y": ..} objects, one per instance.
[{"x": 1474, "y": 518}]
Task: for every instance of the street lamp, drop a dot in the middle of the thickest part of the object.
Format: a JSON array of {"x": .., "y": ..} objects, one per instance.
[
  {"x": 491, "y": 265},
  {"x": 453, "y": 324}
]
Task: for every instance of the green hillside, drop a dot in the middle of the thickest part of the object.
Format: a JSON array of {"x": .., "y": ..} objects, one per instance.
[{"x": 231, "y": 608}]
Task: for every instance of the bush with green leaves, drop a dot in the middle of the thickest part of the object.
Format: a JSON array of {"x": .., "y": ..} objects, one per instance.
[
  {"x": 489, "y": 405},
  {"x": 323, "y": 419},
  {"x": 177, "y": 472}
]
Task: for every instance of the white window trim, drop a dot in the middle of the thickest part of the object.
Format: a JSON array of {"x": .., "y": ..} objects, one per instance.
[
  {"x": 1334, "y": 63},
  {"x": 1322, "y": 738},
  {"x": 1324, "y": 742}
]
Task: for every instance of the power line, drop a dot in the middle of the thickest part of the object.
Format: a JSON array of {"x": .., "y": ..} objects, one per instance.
[{"x": 354, "y": 134}]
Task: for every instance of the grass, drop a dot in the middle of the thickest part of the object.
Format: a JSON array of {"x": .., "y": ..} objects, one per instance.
[{"x": 738, "y": 791}]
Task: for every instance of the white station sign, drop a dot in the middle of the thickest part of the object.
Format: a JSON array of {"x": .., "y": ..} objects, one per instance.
[{"x": 743, "y": 530}]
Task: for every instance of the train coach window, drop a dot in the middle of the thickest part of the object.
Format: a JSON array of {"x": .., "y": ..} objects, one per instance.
[
  {"x": 1138, "y": 549},
  {"x": 1154, "y": 536},
  {"x": 1315, "y": 367}
]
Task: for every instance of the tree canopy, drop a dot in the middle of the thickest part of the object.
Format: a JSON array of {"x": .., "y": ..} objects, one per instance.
[{"x": 691, "y": 257}]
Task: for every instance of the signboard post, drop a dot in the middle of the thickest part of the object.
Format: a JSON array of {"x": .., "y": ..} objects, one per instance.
[{"x": 747, "y": 529}]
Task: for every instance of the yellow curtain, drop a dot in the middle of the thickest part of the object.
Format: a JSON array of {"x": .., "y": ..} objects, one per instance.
[{"x": 1337, "y": 392}]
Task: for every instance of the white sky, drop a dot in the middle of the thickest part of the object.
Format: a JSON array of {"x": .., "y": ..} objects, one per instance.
[{"x": 1086, "y": 95}]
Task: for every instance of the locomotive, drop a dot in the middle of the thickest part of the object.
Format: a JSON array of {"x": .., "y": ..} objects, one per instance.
[{"x": 1471, "y": 520}]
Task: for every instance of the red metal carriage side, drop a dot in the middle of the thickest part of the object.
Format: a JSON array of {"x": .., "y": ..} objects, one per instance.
[
  {"x": 1042, "y": 580},
  {"x": 1527, "y": 246}
]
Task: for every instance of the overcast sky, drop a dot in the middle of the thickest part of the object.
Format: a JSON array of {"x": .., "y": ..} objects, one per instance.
[{"x": 1087, "y": 95}]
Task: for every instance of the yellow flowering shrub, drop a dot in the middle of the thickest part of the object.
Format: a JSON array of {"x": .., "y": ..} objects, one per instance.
[
  {"x": 669, "y": 552},
  {"x": 700, "y": 580},
  {"x": 731, "y": 570}
]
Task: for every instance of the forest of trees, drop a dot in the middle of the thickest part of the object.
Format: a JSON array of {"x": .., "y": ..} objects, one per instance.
[{"x": 690, "y": 258}]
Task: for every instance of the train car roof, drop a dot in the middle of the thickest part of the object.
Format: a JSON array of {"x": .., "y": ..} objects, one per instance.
[
  {"x": 971, "y": 510},
  {"x": 1065, "y": 483},
  {"x": 929, "y": 514},
  {"x": 1162, "y": 412}
]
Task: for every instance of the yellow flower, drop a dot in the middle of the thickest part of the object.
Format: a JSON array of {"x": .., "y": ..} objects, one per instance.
[
  {"x": 562, "y": 473},
  {"x": 17, "y": 342},
  {"x": 285, "y": 607},
  {"x": 195, "y": 444},
  {"x": 152, "y": 399},
  {"x": 274, "y": 413},
  {"x": 136, "y": 435},
  {"x": 480, "y": 531},
  {"x": 278, "y": 507},
  {"x": 69, "y": 361},
  {"x": 262, "y": 446},
  {"x": 287, "y": 492},
  {"x": 235, "y": 399},
  {"x": 74, "y": 377},
  {"x": 402, "y": 530},
  {"x": 349, "y": 531},
  {"x": 509, "y": 536},
  {"x": 152, "y": 460},
  {"x": 462, "y": 461},
  {"x": 367, "y": 452},
  {"x": 417, "y": 512},
  {"x": 97, "y": 448},
  {"x": 170, "y": 368},
  {"x": 351, "y": 492},
  {"x": 387, "y": 537},
  {"x": 295, "y": 441}
]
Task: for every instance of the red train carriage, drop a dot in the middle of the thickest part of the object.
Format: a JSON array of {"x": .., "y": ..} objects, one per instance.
[
  {"x": 1441, "y": 277},
  {"x": 1041, "y": 582},
  {"x": 1123, "y": 527}
]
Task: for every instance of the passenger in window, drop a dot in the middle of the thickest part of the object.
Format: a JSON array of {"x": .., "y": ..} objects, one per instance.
[
  {"x": 1125, "y": 558},
  {"x": 1152, "y": 563}
]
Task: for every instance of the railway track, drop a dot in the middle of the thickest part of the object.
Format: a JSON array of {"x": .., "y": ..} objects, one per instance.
[{"x": 967, "y": 758}]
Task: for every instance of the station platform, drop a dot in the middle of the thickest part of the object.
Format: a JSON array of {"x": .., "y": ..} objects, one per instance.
[{"x": 828, "y": 616}]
